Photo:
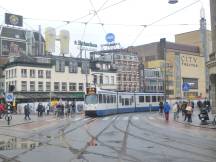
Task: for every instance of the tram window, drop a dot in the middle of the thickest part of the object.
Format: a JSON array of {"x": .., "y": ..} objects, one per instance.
[
  {"x": 104, "y": 98},
  {"x": 148, "y": 99},
  {"x": 154, "y": 99},
  {"x": 108, "y": 99},
  {"x": 114, "y": 99},
  {"x": 120, "y": 99},
  {"x": 158, "y": 98},
  {"x": 100, "y": 98},
  {"x": 141, "y": 98},
  {"x": 132, "y": 99},
  {"x": 127, "y": 101}
]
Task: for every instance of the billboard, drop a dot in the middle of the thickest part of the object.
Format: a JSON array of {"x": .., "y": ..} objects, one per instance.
[
  {"x": 15, "y": 20},
  {"x": 13, "y": 48}
]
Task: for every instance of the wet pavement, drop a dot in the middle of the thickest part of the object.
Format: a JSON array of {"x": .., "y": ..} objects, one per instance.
[{"x": 137, "y": 137}]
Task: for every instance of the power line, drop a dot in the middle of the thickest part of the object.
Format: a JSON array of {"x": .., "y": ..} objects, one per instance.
[{"x": 156, "y": 21}]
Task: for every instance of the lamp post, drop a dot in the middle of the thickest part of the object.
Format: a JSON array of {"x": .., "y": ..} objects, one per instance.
[{"x": 173, "y": 1}]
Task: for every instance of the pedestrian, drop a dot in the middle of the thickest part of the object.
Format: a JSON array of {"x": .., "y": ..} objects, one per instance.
[
  {"x": 47, "y": 108},
  {"x": 161, "y": 107},
  {"x": 40, "y": 109},
  {"x": 175, "y": 111},
  {"x": 166, "y": 108},
  {"x": 2, "y": 109},
  {"x": 189, "y": 111},
  {"x": 27, "y": 111}
]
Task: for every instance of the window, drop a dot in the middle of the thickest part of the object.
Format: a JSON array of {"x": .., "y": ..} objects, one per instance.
[
  {"x": 40, "y": 86},
  {"x": 73, "y": 67},
  {"x": 32, "y": 73},
  {"x": 48, "y": 86},
  {"x": 72, "y": 87},
  {"x": 154, "y": 99},
  {"x": 60, "y": 66},
  {"x": 32, "y": 86},
  {"x": 48, "y": 74},
  {"x": 80, "y": 86},
  {"x": 64, "y": 86},
  {"x": 148, "y": 99},
  {"x": 112, "y": 79},
  {"x": 101, "y": 79},
  {"x": 85, "y": 68},
  {"x": 24, "y": 73},
  {"x": 100, "y": 98},
  {"x": 192, "y": 82},
  {"x": 40, "y": 73},
  {"x": 141, "y": 98},
  {"x": 106, "y": 80},
  {"x": 23, "y": 86},
  {"x": 56, "y": 86},
  {"x": 95, "y": 79}
]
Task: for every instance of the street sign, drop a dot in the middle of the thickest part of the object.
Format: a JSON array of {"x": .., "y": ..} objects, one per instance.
[
  {"x": 185, "y": 87},
  {"x": 9, "y": 97},
  {"x": 110, "y": 37}
]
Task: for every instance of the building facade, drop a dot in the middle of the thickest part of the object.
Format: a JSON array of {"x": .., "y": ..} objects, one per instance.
[
  {"x": 212, "y": 59},
  {"x": 179, "y": 64},
  {"x": 53, "y": 77},
  {"x": 127, "y": 65}
]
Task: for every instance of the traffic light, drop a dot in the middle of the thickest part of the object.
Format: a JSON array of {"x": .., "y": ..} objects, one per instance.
[{"x": 11, "y": 88}]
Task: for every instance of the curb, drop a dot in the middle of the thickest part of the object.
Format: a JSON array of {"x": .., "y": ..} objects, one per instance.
[
  {"x": 201, "y": 126},
  {"x": 17, "y": 124}
]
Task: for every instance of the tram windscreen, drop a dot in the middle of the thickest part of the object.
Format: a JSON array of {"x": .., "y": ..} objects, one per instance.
[{"x": 91, "y": 99}]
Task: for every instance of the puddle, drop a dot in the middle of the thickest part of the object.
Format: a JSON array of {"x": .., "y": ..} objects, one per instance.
[{"x": 14, "y": 143}]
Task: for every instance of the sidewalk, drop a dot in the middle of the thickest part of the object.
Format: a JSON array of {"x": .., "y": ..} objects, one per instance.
[
  {"x": 196, "y": 121},
  {"x": 19, "y": 119}
]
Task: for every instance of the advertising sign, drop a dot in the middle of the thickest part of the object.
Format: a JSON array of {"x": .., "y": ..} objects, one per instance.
[
  {"x": 185, "y": 87},
  {"x": 15, "y": 20}
]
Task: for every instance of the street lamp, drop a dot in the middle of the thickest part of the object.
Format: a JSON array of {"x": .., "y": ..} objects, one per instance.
[{"x": 173, "y": 1}]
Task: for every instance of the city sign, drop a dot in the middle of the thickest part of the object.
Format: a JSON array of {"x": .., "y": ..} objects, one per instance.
[
  {"x": 110, "y": 37},
  {"x": 82, "y": 43},
  {"x": 185, "y": 87}
]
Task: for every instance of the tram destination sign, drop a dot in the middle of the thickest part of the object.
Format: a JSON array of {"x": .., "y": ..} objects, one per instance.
[{"x": 90, "y": 91}]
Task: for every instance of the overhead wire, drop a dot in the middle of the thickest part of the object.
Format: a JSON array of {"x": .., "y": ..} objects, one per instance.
[{"x": 160, "y": 19}]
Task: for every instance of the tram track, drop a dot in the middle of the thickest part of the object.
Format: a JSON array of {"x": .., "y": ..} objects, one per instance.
[
  {"x": 166, "y": 145},
  {"x": 177, "y": 140},
  {"x": 31, "y": 138},
  {"x": 122, "y": 151}
]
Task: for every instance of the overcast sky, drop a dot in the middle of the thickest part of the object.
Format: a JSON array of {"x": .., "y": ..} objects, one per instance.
[{"x": 133, "y": 22}]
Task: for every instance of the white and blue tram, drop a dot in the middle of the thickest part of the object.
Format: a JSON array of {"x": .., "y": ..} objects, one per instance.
[{"x": 105, "y": 102}]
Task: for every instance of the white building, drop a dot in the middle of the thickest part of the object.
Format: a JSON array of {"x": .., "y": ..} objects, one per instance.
[{"x": 45, "y": 78}]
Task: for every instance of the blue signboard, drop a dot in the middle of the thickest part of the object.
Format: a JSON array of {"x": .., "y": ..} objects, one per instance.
[
  {"x": 110, "y": 37},
  {"x": 9, "y": 97},
  {"x": 185, "y": 87}
]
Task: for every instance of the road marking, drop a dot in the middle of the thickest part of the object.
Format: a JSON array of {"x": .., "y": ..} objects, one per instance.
[
  {"x": 86, "y": 119},
  {"x": 152, "y": 118},
  {"x": 135, "y": 118},
  {"x": 125, "y": 118},
  {"x": 78, "y": 118},
  {"x": 106, "y": 118}
]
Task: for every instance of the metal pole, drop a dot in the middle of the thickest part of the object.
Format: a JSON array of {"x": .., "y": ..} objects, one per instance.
[{"x": 165, "y": 77}]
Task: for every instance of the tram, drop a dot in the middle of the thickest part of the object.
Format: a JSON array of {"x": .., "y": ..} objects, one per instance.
[{"x": 100, "y": 102}]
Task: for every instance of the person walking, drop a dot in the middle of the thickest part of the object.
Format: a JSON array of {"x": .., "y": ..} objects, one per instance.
[
  {"x": 175, "y": 111},
  {"x": 189, "y": 111},
  {"x": 166, "y": 108},
  {"x": 161, "y": 107},
  {"x": 27, "y": 111}
]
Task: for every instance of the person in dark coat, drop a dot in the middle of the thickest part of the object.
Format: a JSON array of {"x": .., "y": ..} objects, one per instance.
[{"x": 27, "y": 111}]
